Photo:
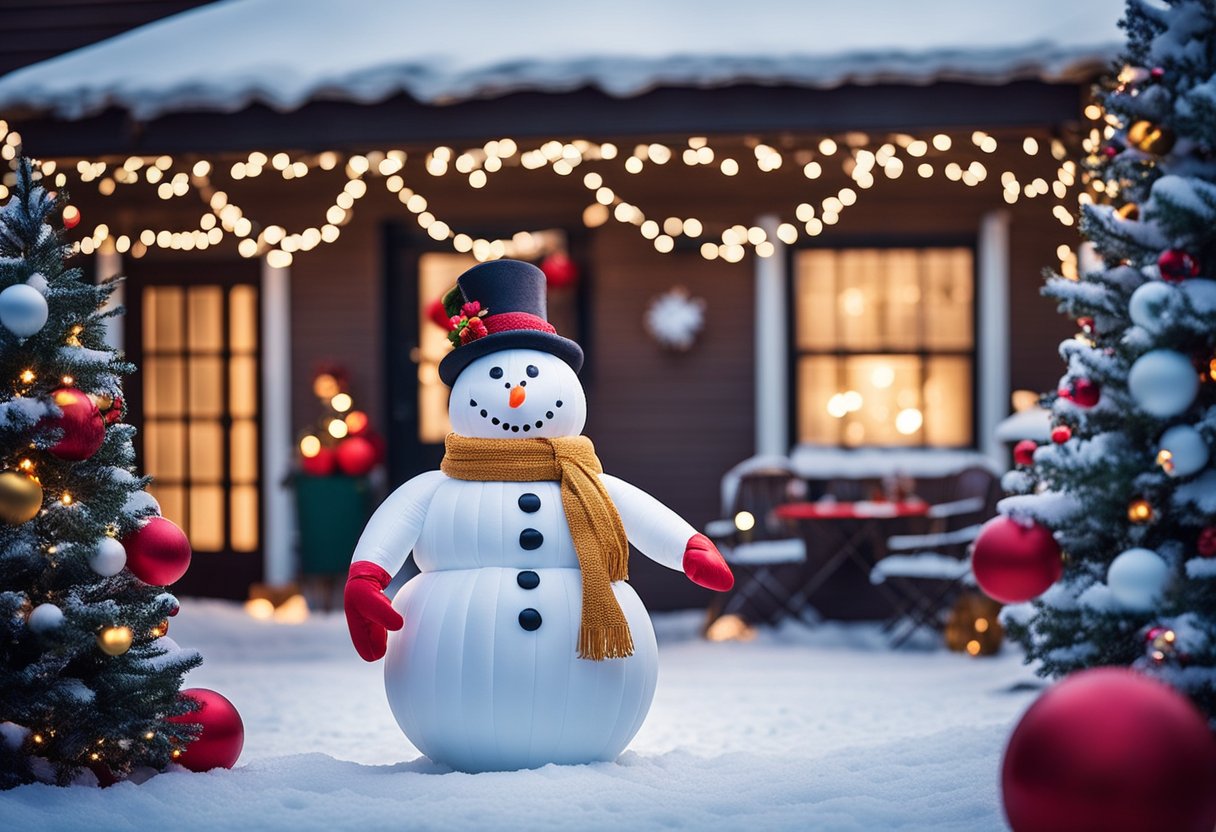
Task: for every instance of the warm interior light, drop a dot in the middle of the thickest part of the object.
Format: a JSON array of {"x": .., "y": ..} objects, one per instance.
[
  {"x": 341, "y": 402},
  {"x": 337, "y": 429},
  {"x": 310, "y": 446},
  {"x": 745, "y": 521}
]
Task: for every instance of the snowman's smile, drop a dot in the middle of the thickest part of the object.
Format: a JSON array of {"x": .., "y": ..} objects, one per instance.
[{"x": 517, "y": 425}]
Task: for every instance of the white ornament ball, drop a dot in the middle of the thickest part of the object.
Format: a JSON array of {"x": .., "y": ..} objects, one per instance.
[
  {"x": 1149, "y": 304},
  {"x": 38, "y": 281},
  {"x": 1163, "y": 383},
  {"x": 1182, "y": 451},
  {"x": 45, "y": 617},
  {"x": 23, "y": 310},
  {"x": 108, "y": 558},
  {"x": 1136, "y": 578}
]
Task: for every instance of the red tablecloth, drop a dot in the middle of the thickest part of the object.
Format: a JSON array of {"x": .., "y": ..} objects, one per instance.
[{"x": 850, "y": 511}]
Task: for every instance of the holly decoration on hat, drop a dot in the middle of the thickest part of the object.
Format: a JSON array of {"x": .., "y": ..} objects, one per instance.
[{"x": 468, "y": 325}]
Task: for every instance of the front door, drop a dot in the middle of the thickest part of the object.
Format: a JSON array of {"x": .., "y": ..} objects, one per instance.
[{"x": 192, "y": 330}]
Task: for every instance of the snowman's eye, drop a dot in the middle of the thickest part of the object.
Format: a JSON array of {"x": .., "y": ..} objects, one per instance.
[
  {"x": 496, "y": 372},
  {"x": 532, "y": 371}
]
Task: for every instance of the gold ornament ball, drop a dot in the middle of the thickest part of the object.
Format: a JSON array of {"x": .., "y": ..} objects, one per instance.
[
  {"x": 1151, "y": 138},
  {"x": 160, "y": 629},
  {"x": 20, "y": 498},
  {"x": 114, "y": 641}
]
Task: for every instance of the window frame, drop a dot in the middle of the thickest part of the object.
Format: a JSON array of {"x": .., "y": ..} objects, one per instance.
[{"x": 882, "y": 242}]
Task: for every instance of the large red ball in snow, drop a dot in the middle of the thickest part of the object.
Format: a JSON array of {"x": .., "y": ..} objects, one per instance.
[
  {"x": 158, "y": 553},
  {"x": 223, "y": 735},
  {"x": 356, "y": 456},
  {"x": 84, "y": 428},
  {"x": 1013, "y": 562},
  {"x": 1110, "y": 750},
  {"x": 1023, "y": 452}
]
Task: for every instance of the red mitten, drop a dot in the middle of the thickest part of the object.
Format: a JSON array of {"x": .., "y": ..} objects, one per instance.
[
  {"x": 704, "y": 565},
  {"x": 369, "y": 613}
]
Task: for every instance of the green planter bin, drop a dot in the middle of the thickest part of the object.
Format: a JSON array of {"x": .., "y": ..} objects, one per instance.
[{"x": 330, "y": 515}]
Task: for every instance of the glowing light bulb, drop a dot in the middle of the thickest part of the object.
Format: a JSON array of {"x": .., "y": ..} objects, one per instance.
[
  {"x": 341, "y": 402},
  {"x": 745, "y": 521},
  {"x": 310, "y": 446},
  {"x": 337, "y": 429}
]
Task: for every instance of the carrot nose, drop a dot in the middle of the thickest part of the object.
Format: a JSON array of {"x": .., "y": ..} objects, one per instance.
[{"x": 517, "y": 396}]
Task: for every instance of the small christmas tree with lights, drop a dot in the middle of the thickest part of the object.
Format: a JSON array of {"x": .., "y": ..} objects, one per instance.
[
  {"x": 88, "y": 678},
  {"x": 1127, "y": 487}
]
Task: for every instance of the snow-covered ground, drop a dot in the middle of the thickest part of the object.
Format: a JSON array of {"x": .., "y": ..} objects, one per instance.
[{"x": 822, "y": 729}]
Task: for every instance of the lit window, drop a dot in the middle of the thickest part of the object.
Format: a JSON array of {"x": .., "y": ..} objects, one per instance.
[{"x": 884, "y": 346}]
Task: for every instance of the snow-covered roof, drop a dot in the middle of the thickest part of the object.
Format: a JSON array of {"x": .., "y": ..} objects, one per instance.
[{"x": 284, "y": 53}]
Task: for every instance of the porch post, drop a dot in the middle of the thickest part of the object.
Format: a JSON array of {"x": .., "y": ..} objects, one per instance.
[
  {"x": 772, "y": 378},
  {"x": 278, "y": 507},
  {"x": 992, "y": 325},
  {"x": 108, "y": 264}
]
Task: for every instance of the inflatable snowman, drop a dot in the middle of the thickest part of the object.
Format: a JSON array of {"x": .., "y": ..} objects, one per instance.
[{"x": 519, "y": 643}]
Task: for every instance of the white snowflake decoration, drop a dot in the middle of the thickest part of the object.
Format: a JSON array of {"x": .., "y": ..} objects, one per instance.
[{"x": 674, "y": 318}]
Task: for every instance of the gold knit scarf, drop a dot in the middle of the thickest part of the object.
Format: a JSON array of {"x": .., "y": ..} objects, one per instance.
[{"x": 595, "y": 525}]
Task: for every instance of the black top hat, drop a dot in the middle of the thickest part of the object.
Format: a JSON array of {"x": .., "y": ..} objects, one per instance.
[{"x": 511, "y": 297}]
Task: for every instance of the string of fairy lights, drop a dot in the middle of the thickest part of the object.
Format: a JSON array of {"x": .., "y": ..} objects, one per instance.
[{"x": 864, "y": 160}]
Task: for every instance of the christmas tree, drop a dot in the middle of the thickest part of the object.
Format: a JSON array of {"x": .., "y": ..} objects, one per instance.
[
  {"x": 1127, "y": 485},
  {"x": 88, "y": 678}
]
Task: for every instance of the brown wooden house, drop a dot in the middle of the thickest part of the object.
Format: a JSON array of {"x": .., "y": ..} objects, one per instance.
[{"x": 864, "y": 205}]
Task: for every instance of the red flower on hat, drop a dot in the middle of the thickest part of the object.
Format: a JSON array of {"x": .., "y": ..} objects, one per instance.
[{"x": 468, "y": 325}]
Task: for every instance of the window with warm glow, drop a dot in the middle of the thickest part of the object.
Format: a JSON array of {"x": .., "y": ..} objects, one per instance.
[
  {"x": 200, "y": 410},
  {"x": 884, "y": 346},
  {"x": 437, "y": 273}
]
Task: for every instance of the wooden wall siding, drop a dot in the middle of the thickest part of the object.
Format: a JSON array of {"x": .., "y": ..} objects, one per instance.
[{"x": 36, "y": 30}]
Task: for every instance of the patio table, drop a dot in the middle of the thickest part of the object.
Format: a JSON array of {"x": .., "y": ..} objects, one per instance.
[{"x": 852, "y": 532}]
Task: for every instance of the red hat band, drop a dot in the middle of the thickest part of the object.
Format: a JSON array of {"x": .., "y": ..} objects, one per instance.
[{"x": 510, "y": 321}]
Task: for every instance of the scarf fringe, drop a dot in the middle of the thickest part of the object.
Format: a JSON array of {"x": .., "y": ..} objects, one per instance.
[{"x": 599, "y": 643}]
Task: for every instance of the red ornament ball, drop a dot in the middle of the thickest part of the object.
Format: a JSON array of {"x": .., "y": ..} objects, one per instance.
[
  {"x": 1206, "y": 545},
  {"x": 560, "y": 271},
  {"x": 1110, "y": 151},
  {"x": 1176, "y": 265},
  {"x": 1157, "y": 73},
  {"x": 1013, "y": 562},
  {"x": 1061, "y": 434},
  {"x": 321, "y": 464},
  {"x": 356, "y": 456},
  {"x": 1110, "y": 750},
  {"x": 1085, "y": 392},
  {"x": 83, "y": 427},
  {"x": 158, "y": 553},
  {"x": 1023, "y": 452},
  {"x": 1064, "y": 393},
  {"x": 223, "y": 735},
  {"x": 114, "y": 412}
]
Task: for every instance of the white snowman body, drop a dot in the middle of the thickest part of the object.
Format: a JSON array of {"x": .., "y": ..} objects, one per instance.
[{"x": 485, "y": 675}]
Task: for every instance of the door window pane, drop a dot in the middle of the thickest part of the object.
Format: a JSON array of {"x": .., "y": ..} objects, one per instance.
[
  {"x": 206, "y": 391},
  {"x": 162, "y": 318},
  {"x": 243, "y": 466},
  {"x": 164, "y": 393},
  {"x": 205, "y": 318},
  {"x": 207, "y": 517},
  {"x": 243, "y": 319},
  {"x": 244, "y": 518},
  {"x": 206, "y": 452},
  {"x": 243, "y": 385},
  {"x": 164, "y": 449}
]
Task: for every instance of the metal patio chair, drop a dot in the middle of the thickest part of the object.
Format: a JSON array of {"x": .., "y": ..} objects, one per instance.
[
  {"x": 763, "y": 556},
  {"x": 927, "y": 571}
]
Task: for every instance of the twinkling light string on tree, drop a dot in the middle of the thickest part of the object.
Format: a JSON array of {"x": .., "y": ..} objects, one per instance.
[{"x": 865, "y": 161}]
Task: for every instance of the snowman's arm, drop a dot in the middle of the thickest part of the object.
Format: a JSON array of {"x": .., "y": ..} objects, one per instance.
[
  {"x": 658, "y": 532},
  {"x": 395, "y": 527},
  {"x": 665, "y": 537}
]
